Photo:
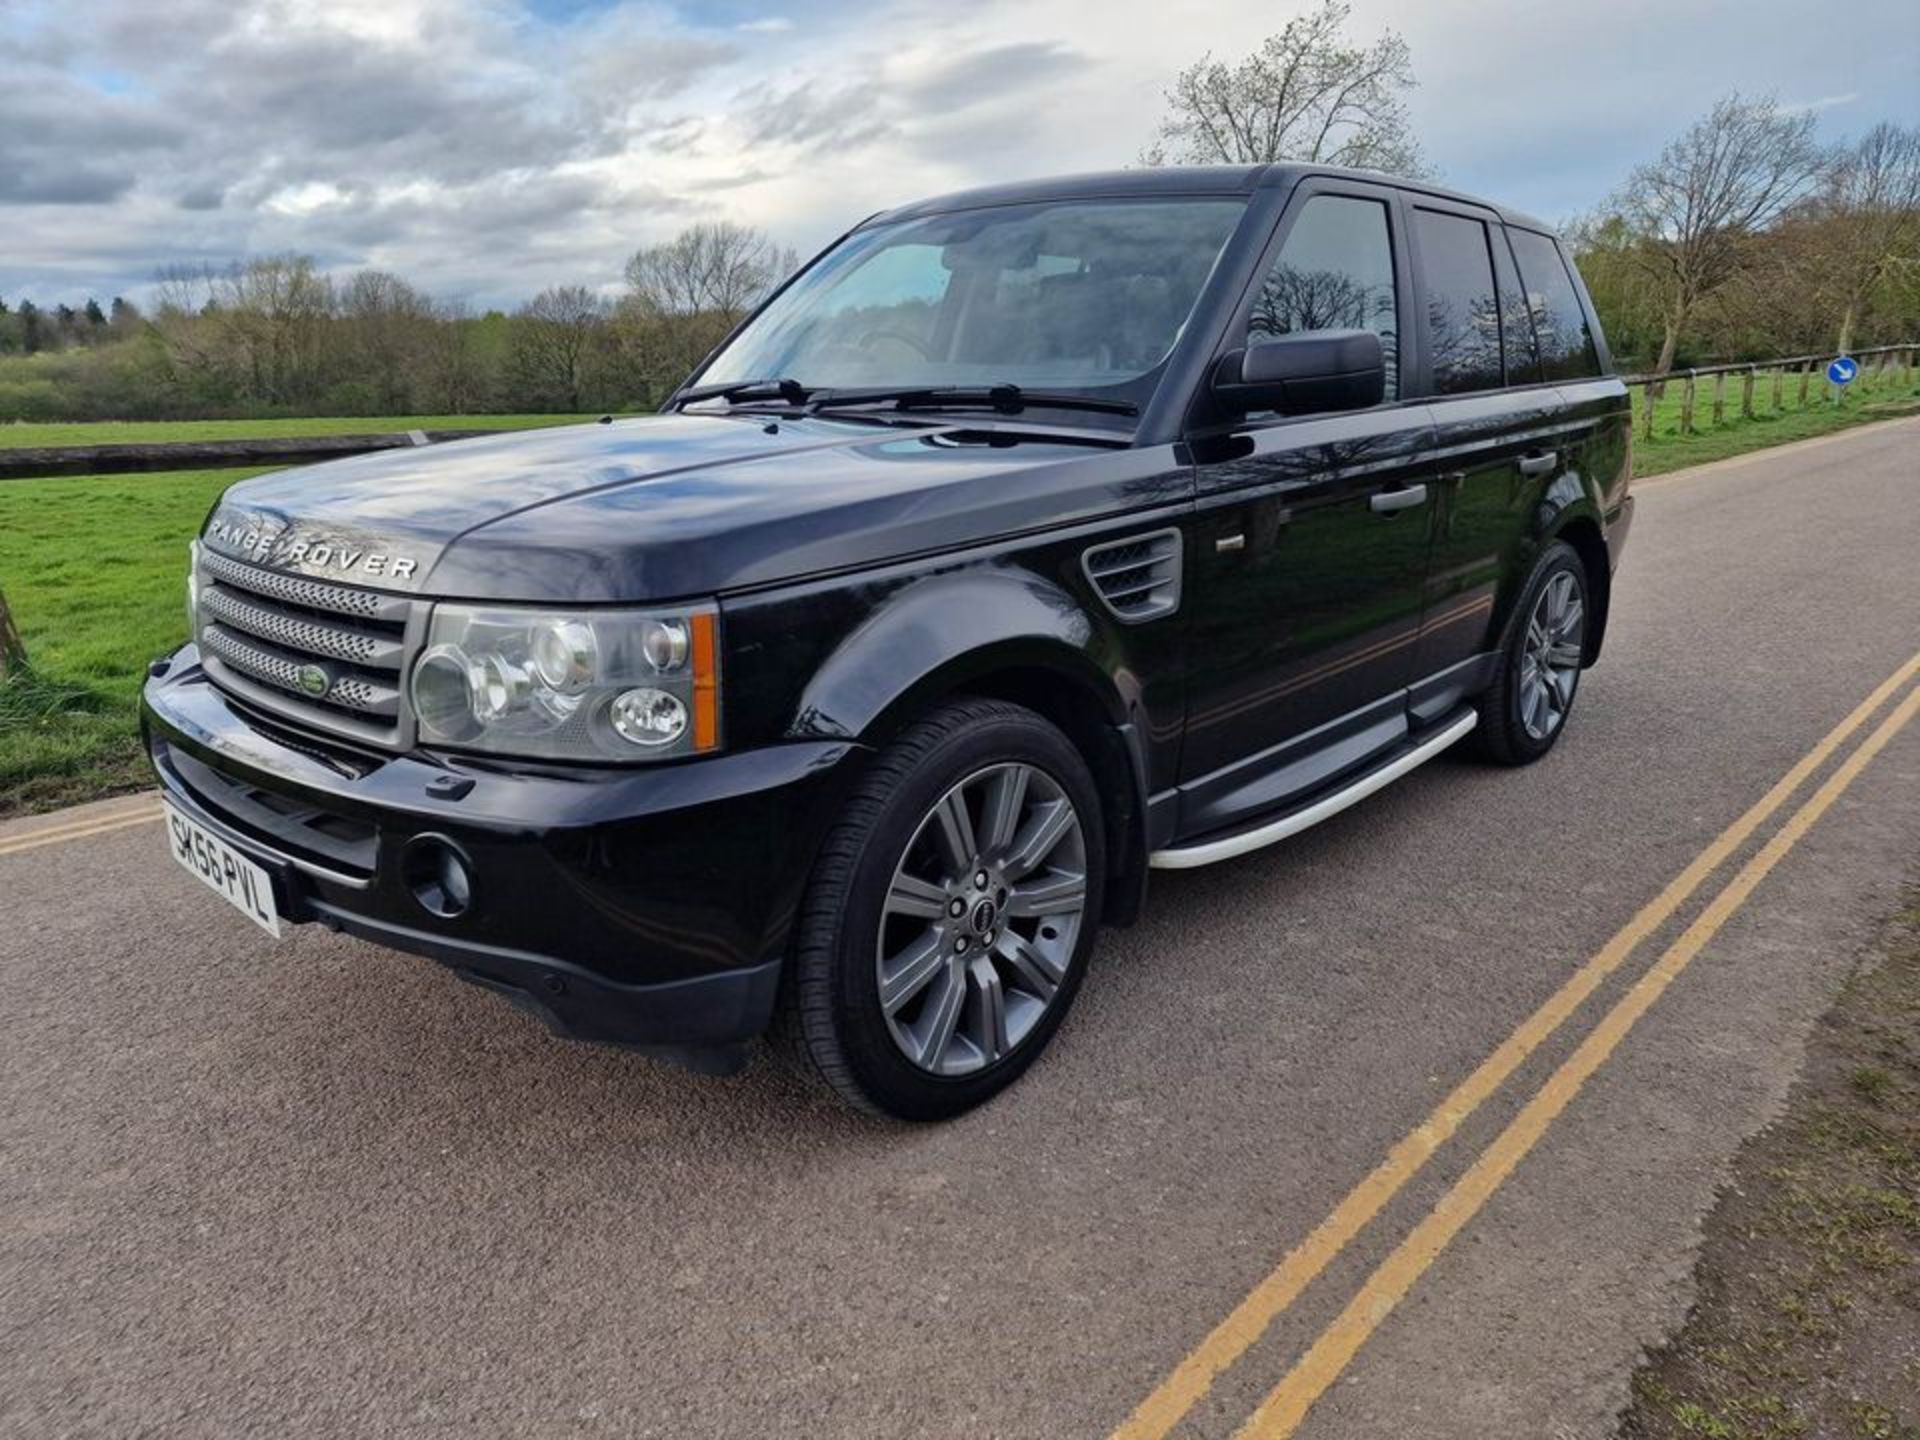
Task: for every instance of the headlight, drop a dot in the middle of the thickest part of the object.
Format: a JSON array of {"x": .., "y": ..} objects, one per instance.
[{"x": 571, "y": 685}]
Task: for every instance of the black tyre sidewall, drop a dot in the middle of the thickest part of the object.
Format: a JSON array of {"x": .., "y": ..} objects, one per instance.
[
  {"x": 883, "y": 1074},
  {"x": 1523, "y": 748}
]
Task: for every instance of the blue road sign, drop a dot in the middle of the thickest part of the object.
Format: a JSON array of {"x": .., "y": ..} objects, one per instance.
[{"x": 1842, "y": 370}]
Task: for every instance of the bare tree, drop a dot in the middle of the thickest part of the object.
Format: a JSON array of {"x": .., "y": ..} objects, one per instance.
[
  {"x": 1871, "y": 209},
  {"x": 382, "y": 331},
  {"x": 554, "y": 335},
  {"x": 1306, "y": 94},
  {"x": 1696, "y": 209},
  {"x": 718, "y": 268},
  {"x": 685, "y": 294}
]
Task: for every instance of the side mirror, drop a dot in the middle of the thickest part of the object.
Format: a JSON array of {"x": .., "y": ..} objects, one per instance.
[{"x": 1304, "y": 374}]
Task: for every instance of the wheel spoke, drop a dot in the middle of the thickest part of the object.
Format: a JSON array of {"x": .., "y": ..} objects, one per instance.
[
  {"x": 1006, "y": 797},
  {"x": 910, "y": 971},
  {"x": 1570, "y": 620},
  {"x": 1565, "y": 653},
  {"x": 1559, "y": 693},
  {"x": 920, "y": 899},
  {"x": 942, "y": 1017},
  {"x": 990, "y": 1005},
  {"x": 1536, "y": 636},
  {"x": 1058, "y": 895},
  {"x": 1534, "y": 708},
  {"x": 1036, "y": 968},
  {"x": 1558, "y": 594},
  {"x": 953, "y": 831},
  {"x": 1047, "y": 828}
]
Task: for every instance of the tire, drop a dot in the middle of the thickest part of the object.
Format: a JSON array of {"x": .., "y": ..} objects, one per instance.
[
  {"x": 1512, "y": 728},
  {"x": 889, "y": 866}
]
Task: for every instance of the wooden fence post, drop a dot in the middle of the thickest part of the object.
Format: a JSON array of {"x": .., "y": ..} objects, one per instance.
[
  {"x": 1719, "y": 398},
  {"x": 1686, "y": 406},
  {"x": 1806, "y": 374},
  {"x": 13, "y": 651},
  {"x": 1746, "y": 394}
]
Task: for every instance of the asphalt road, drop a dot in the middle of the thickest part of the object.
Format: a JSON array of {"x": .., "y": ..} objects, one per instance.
[{"x": 316, "y": 1189}]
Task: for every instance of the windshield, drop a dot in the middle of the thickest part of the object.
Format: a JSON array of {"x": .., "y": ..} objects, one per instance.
[{"x": 1080, "y": 296}]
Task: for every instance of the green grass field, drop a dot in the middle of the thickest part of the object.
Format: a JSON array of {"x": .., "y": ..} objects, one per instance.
[
  {"x": 1874, "y": 396},
  {"x": 94, "y": 569},
  {"x": 27, "y": 435}
]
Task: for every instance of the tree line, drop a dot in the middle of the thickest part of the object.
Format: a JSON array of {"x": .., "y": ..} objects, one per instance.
[{"x": 277, "y": 335}]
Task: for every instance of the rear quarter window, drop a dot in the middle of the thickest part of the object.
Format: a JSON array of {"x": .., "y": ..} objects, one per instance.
[{"x": 1560, "y": 326}]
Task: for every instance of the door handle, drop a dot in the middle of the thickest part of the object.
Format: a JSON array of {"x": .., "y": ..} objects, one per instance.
[
  {"x": 1390, "y": 502},
  {"x": 1539, "y": 464}
]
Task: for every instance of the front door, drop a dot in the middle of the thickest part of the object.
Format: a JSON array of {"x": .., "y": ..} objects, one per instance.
[{"x": 1311, "y": 541}]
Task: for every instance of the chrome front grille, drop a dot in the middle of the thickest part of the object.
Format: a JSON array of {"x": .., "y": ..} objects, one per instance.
[{"x": 328, "y": 656}]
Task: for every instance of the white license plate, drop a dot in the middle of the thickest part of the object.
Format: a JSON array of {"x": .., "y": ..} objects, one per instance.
[{"x": 223, "y": 870}]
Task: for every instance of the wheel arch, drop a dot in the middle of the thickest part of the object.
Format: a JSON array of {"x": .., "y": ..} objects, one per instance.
[
  {"x": 1582, "y": 532},
  {"x": 1007, "y": 635}
]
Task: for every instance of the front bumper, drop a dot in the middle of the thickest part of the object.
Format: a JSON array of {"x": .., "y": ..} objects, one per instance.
[{"x": 642, "y": 907}]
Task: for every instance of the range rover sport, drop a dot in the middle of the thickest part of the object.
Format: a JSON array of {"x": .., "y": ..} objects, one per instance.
[{"x": 1025, "y": 541}]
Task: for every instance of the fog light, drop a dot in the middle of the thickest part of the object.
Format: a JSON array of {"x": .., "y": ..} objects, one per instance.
[
  {"x": 648, "y": 717},
  {"x": 438, "y": 875}
]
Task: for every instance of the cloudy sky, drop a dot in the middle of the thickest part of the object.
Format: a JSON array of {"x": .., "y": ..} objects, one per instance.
[{"x": 485, "y": 148}]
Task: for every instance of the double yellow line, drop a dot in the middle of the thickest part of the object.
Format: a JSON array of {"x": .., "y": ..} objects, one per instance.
[
  {"x": 1287, "y": 1403},
  {"x": 93, "y": 825}
]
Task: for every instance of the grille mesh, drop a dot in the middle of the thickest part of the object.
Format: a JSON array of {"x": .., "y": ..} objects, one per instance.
[
  {"x": 297, "y": 590},
  {"x": 261, "y": 630},
  {"x": 282, "y": 670},
  {"x": 295, "y": 633},
  {"x": 1139, "y": 579}
]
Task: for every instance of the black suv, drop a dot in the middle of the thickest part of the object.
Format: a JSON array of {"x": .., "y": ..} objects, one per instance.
[{"x": 1026, "y": 540}]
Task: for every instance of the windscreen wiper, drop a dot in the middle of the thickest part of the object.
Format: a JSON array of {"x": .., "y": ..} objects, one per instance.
[
  {"x": 1007, "y": 399},
  {"x": 791, "y": 391}
]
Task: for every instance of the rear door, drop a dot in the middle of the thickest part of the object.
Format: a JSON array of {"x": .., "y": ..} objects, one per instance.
[
  {"x": 1598, "y": 441},
  {"x": 1499, "y": 441},
  {"x": 1307, "y": 594}
]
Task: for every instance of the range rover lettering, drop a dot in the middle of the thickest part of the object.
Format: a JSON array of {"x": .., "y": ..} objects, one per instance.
[{"x": 1026, "y": 541}]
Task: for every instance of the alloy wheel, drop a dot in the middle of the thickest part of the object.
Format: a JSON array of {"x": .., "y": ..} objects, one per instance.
[
  {"x": 1550, "y": 659},
  {"x": 980, "y": 922}
]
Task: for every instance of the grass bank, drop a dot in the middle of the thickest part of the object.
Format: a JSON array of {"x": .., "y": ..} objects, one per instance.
[
  {"x": 1808, "y": 1319},
  {"x": 33, "y": 435},
  {"x": 94, "y": 569},
  {"x": 1874, "y": 396}
]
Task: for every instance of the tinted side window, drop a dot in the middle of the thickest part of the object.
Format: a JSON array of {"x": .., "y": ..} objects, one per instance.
[
  {"x": 1566, "y": 344},
  {"x": 1334, "y": 272},
  {"x": 1463, "y": 318},
  {"x": 1516, "y": 323}
]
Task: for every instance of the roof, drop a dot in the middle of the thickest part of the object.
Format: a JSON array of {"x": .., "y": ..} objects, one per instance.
[{"x": 1179, "y": 180}]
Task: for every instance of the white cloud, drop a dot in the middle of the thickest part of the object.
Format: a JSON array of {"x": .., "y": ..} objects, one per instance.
[{"x": 489, "y": 147}]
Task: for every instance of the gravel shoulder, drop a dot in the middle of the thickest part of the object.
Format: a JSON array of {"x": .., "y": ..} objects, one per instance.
[{"x": 1808, "y": 1317}]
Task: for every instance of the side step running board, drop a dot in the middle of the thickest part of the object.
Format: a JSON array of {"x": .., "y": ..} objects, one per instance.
[{"x": 1187, "y": 857}]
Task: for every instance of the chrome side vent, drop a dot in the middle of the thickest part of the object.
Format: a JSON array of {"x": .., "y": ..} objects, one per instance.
[{"x": 1138, "y": 578}]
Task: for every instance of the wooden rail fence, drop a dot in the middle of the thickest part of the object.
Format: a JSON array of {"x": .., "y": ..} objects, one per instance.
[{"x": 1878, "y": 362}]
